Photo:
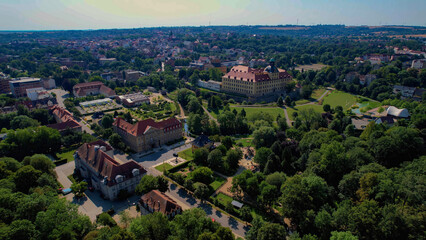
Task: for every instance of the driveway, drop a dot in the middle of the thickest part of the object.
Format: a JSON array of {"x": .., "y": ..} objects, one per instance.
[
  {"x": 61, "y": 95},
  {"x": 91, "y": 205},
  {"x": 158, "y": 156},
  {"x": 183, "y": 197}
]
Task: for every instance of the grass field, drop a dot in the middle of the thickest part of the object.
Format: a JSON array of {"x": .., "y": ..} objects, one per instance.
[
  {"x": 317, "y": 108},
  {"x": 245, "y": 142},
  {"x": 223, "y": 199},
  {"x": 346, "y": 100},
  {"x": 218, "y": 181},
  {"x": 186, "y": 154},
  {"x": 69, "y": 155},
  {"x": 163, "y": 167},
  {"x": 317, "y": 93},
  {"x": 274, "y": 112}
]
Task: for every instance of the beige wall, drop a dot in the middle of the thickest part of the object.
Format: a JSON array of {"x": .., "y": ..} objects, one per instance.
[{"x": 151, "y": 139}]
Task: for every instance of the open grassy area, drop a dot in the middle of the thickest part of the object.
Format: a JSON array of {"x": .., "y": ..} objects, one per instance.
[
  {"x": 273, "y": 111},
  {"x": 223, "y": 199},
  {"x": 218, "y": 181},
  {"x": 317, "y": 93},
  {"x": 186, "y": 154},
  {"x": 246, "y": 142},
  {"x": 163, "y": 167},
  {"x": 67, "y": 154},
  {"x": 317, "y": 108},
  {"x": 336, "y": 98}
]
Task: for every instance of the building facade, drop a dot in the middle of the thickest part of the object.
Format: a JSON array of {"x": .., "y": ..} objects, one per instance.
[
  {"x": 92, "y": 88},
  {"x": 156, "y": 201},
  {"x": 212, "y": 85},
  {"x": 133, "y": 99},
  {"x": 64, "y": 120},
  {"x": 19, "y": 86},
  {"x": 96, "y": 163},
  {"x": 148, "y": 134},
  {"x": 255, "y": 82}
]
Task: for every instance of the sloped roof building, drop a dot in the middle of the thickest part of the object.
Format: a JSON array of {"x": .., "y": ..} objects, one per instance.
[
  {"x": 148, "y": 134},
  {"x": 156, "y": 201},
  {"x": 104, "y": 172}
]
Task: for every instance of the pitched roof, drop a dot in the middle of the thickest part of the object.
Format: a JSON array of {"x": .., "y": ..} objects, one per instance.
[
  {"x": 160, "y": 202},
  {"x": 245, "y": 73},
  {"x": 140, "y": 127},
  {"x": 201, "y": 141},
  {"x": 65, "y": 125},
  {"x": 104, "y": 164},
  {"x": 393, "y": 111}
]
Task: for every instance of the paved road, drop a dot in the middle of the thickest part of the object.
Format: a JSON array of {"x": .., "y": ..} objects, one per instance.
[
  {"x": 61, "y": 95},
  {"x": 159, "y": 156},
  {"x": 184, "y": 197}
]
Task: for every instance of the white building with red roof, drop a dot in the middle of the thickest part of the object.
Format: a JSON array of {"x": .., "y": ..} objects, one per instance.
[
  {"x": 92, "y": 88},
  {"x": 96, "y": 163},
  {"x": 148, "y": 134},
  {"x": 255, "y": 82}
]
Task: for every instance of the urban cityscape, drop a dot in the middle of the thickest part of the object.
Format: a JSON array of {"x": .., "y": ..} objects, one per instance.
[{"x": 174, "y": 121}]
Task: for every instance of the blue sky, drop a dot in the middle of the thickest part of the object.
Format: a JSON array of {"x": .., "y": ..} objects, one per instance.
[{"x": 95, "y": 14}]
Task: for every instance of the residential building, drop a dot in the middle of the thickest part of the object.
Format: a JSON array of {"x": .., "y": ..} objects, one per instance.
[
  {"x": 255, "y": 82},
  {"x": 367, "y": 79},
  {"x": 202, "y": 141},
  {"x": 96, "y": 163},
  {"x": 4, "y": 83},
  {"x": 49, "y": 83},
  {"x": 406, "y": 92},
  {"x": 92, "y": 88},
  {"x": 38, "y": 94},
  {"x": 156, "y": 201},
  {"x": 418, "y": 63},
  {"x": 133, "y": 99},
  {"x": 19, "y": 86},
  {"x": 212, "y": 85},
  {"x": 148, "y": 134},
  {"x": 133, "y": 76},
  {"x": 64, "y": 120}
]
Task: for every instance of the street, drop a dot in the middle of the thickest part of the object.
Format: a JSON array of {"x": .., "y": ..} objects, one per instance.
[{"x": 182, "y": 196}]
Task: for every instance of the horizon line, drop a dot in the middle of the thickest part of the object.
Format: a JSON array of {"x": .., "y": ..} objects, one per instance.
[{"x": 198, "y": 26}]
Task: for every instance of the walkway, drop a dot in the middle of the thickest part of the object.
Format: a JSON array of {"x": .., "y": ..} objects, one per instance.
[
  {"x": 210, "y": 116},
  {"x": 289, "y": 122}
]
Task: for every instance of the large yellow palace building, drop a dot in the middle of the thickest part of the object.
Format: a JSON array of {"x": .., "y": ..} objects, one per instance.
[{"x": 255, "y": 82}]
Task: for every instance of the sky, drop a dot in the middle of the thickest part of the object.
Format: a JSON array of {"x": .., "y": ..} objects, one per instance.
[{"x": 106, "y": 14}]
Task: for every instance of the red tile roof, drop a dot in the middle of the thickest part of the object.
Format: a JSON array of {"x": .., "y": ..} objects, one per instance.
[
  {"x": 65, "y": 125},
  {"x": 80, "y": 88},
  {"x": 104, "y": 164},
  {"x": 140, "y": 127},
  {"x": 245, "y": 73},
  {"x": 160, "y": 202}
]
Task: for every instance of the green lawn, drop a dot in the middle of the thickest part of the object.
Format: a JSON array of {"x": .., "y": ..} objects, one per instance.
[
  {"x": 317, "y": 93},
  {"x": 336, "y": 98},
  {"x": 317, "y": 108},
  {"x": 273, "y": 111},
  {"x": 186, "y": 154},
  {"x": 69, "y": 155},
  {"x": 218, "y": 181},
  {"x": 164, "y": 166},
  {"x": 223, "y": 199},
  {"x": 302, "y": 101},
  {"x": 245, "y": 142}
]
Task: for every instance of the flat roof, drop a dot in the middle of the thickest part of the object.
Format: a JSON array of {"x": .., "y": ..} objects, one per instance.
[{"x": 23, "y": 80}]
